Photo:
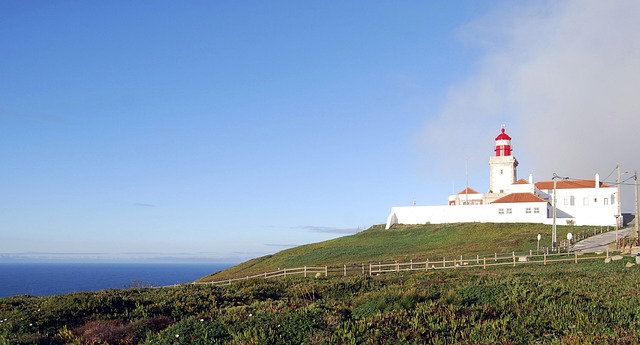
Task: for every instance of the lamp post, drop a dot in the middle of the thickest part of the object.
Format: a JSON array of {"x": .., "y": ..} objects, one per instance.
[{"x": 554, "y": 232}]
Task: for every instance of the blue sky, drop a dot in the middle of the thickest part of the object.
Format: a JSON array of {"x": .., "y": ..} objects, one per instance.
[{"x": 229, "y": 130}]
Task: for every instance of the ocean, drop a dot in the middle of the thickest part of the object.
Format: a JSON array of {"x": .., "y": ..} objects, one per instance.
[{"x": 46, "y": 279}]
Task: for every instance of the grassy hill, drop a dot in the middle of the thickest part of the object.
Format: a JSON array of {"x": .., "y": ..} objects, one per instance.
[
  {"x": 563, "y": 303},
  {"x": 403, "y": 243}
]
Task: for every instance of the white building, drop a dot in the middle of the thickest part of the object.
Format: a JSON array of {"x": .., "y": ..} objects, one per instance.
[{"x": 579, "y": 202}]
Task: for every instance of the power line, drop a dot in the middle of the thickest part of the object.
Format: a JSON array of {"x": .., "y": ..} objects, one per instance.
[{"x": 612, "y": 171}]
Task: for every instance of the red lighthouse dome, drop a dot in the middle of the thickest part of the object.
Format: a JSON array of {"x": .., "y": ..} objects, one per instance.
[{"x": 503, "y": 144}]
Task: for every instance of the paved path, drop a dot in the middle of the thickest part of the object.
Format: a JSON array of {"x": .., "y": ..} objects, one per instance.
[{"x": 599, "y": 242}]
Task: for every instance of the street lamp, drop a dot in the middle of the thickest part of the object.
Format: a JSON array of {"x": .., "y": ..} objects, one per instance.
[{"x": 555, "y": 185}]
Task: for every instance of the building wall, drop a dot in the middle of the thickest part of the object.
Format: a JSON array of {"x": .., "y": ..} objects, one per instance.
[
  {"x": 584, "y": 206},
  {"x": 491, "y": 213},
  {"x": 464, "y": 199}
]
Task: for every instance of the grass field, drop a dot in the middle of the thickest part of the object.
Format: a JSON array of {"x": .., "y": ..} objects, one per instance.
[
  {"x": 563, "y": 303},
  {"x": 404, "y": 243}
]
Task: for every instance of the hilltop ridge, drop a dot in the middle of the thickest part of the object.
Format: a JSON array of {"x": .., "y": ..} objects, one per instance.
[{"x": 404, "y": 243}]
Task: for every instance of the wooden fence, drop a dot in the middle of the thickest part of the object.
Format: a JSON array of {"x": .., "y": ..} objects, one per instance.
[
  {"x": 577, "y": 237},
  {"x": 511, "y": 259}
]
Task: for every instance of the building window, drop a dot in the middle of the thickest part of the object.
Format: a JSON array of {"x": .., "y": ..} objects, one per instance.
[
  {"x": 501, "y": 211},
  {"x": 606, "y": 201},
  {"x": 585, "y": 201},
  {"x": 527, "y": 210},
  {"x": 595, "y": 200},
  {"x": 501, "y": 171},
  {"x": 536, "y": 210},
  {"x": 508, "y": 211},
  {"x": 566, "y": 201},
  {"x": 572, "y": 202}
]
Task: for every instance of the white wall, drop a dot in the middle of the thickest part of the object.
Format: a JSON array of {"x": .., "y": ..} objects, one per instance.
[
  {"x": 468, "y": 213},
  {"x": 593, "y": 212}
]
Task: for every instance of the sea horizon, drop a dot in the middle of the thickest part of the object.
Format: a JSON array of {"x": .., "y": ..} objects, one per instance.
[{"x": 55, "y": 278}]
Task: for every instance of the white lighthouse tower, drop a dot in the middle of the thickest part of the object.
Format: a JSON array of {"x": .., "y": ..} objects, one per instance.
[{"x": 502, "y": 166}]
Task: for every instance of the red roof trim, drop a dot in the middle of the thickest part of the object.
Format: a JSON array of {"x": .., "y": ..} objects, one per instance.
[
  {"x": 569, "y": 184},
  {"x": 519, "y": 197}
]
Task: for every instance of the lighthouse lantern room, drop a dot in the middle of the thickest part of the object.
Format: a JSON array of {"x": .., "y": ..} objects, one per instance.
[{"x": 503, "y": 144}]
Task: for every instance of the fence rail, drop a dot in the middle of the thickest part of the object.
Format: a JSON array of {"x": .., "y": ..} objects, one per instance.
[
  {"x": 512, "y": 259},
  {"x": 483, "y": 262}
]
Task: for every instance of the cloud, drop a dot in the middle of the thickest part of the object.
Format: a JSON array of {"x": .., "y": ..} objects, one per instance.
[
  {"x": 140, "y": 257},
  {"x": 286, "y": 245},
  {"x": 562, "y": 75},
  {"x": 330, "y": 230},
  {"x": 142, "y": 204}
]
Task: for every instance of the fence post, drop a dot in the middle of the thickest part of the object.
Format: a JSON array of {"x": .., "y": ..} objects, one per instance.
[
  {"x": 285, "y": 272},
  {"x": 514, "y": 261},
  {"x": 477, "y": 259},
  {"x": 495, "y": 256},
  {"x": 426, "y": 267},
  {"x": 362, "y": 269},
  {"x": 229, "y": 281},
  {"x": 326, "y": 271},
  {"x": 530, "y": 252},
  {"x": 305, "y": 271},
  {"x": 607, "y": 251},
  {"x": 370, "y": 273},
  {"x": 484, "y": 264},
  {"x": 545, "y": 258},
  {"x": 454, "y": 263},
  {"x": 444, "y": 264},
  {"x": 575, "y": 255},
  {"x": 345, "y": 270},
  {"x": 397, "y": 266},
  {"x": 411, "y": 267}
]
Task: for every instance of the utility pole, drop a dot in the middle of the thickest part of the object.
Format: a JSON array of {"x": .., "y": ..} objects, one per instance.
[
  {"x": 619, "y": 212},
  {"x": 636, "y": 234},
  {"x": 618, "y": 202},
  {"x": 466, "y": 174},
  {"x": 553, "y": 232},
  {"x": 555, "y": 199}
]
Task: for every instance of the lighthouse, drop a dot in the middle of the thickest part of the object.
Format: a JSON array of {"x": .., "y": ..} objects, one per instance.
[{"x": 502, "y": 166}]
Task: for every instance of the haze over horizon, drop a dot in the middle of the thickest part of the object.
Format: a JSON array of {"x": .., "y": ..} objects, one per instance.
[{"x": 224, "y": 131}]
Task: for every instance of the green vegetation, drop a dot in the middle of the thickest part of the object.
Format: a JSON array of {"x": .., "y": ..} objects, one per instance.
[
  {"x": 404, "y": 243},
  {"x": 563, "y": 303}
]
